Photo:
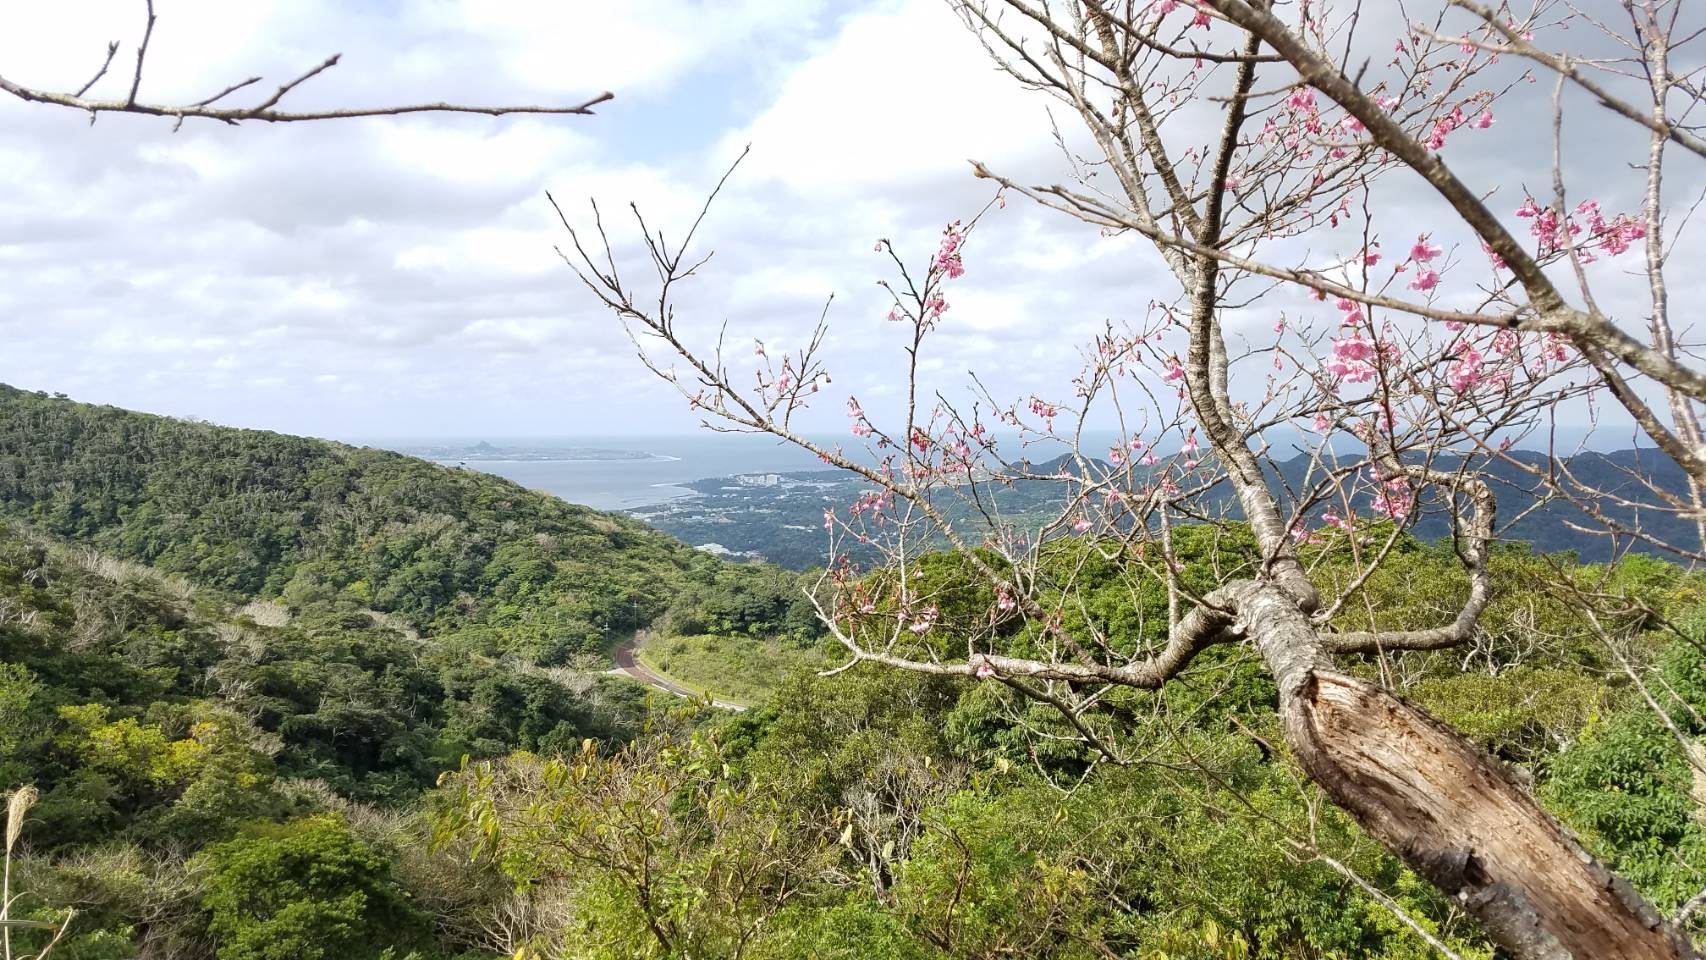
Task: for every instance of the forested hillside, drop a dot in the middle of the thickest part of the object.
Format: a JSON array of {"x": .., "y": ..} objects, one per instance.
[
  {"x": 333, "y": 719},
  {"x": 475, "y": 559},
  {"x": 246, "y": 782}
]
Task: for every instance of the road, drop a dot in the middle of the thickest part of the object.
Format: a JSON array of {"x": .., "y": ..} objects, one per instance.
[{"x": 628, "y": 663}]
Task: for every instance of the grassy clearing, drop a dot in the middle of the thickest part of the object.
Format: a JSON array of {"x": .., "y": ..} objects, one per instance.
[{"x": 737, "y": 669}]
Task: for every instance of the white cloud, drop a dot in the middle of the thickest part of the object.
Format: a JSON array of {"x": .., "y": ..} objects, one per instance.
[
  {"x": 903, "y": 94},
  {"x": 397, "y": 276},
  {"x": 639, "y": 47}
]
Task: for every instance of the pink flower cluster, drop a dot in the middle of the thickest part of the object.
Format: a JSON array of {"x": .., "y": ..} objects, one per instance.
[
  {"x": 1393, "y": 500},
  {"x": 1301, "y": 535},
  {"x": 1047, "y": 411},
  {"x": 1555, "y": 231},
  {"x": 1352, "y": 311},
  {"x": 1422, "y": 253},
  {"x": 869, "y": 502},
  {"x": 948, "y": 261},
  {"x": 924, "y": 620},
  {"x": 1453, "y": 121},
  {"x": 1466, "y": 372},
  {"x": 861, "y": 426},
  {"x": 1355, "y": 357},
  {"x": 1163, "y": 7},
  {"x": 1332, "y": 519}
]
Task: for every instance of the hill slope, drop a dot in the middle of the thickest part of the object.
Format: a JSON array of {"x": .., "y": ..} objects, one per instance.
[{"x": 264, "y": 514}]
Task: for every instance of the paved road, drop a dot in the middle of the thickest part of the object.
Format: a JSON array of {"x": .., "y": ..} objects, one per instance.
[{"x": 629, "y": 664}]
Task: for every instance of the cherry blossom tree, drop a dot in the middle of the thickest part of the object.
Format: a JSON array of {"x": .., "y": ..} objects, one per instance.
[{"x": 1253, "y": 146}]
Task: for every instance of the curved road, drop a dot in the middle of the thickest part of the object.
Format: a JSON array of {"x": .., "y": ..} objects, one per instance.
[{"x": 629, "y": 664}]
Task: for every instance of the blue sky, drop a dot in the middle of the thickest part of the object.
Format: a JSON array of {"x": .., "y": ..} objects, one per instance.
[
  {"x": 396, "y": 277},
  {"x": 388, "y": 277}
]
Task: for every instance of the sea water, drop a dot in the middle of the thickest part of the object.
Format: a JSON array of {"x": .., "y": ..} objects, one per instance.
[
  {"x": 609, "y": 484},
  {"x": 662, "y": 464}
]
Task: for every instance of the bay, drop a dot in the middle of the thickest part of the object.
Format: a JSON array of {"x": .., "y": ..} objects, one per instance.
[{"x": 609, "y": 484}]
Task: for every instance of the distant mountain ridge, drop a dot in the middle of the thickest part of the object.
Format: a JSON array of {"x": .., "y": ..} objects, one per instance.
[
  {"x": 780, "y": 519},
  {"x": 1521, "y": 514}
]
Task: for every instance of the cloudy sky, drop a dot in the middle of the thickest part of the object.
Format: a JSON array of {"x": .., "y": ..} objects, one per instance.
[{"x": 396, "y": 277}]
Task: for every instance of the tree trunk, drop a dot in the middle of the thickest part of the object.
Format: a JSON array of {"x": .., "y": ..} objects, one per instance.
[{"x": 1448, "y": 810}]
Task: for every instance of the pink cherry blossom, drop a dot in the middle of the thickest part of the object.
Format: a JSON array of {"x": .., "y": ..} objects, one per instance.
[
  {"x": 1466, "y": 372},
  {"x": 1082, "y": 525},
  {"x": 948, "y": 254},
  {"x": 1425, "y": 280},
  {"x": 1423, "y": 251},
  {"x": 1394, "y": 501},
  {"x": 1482, "y": 120},
  {"x": 984, "y": 669},
  {"x": 1352, "y": 311},
  {"x": 1444, "y": 126},
  {"x": 924, "y": 621},
  {"x": 1352, "y": 358}
]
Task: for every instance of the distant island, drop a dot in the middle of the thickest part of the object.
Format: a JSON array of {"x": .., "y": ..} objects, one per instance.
[
  {"x": 487, "y": 451},
  {"x": 778, "y": 516}
]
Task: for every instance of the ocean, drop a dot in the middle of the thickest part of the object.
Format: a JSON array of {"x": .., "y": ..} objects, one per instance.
[
  {"x": 629, "y": 484},
  {"x": 624, "y": 484}
]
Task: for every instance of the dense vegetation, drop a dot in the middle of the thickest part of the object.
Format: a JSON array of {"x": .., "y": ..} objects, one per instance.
[
  {"x": 247, "y": 764},
  {"x": 460, "y": 553}
]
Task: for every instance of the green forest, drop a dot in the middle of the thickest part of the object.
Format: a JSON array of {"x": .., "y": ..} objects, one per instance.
[{"x": 269, "y": 697}]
